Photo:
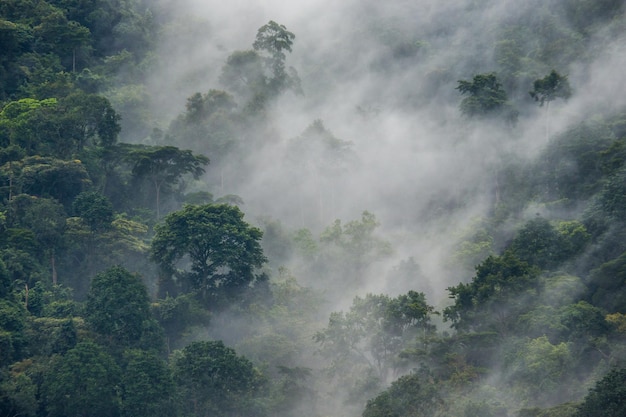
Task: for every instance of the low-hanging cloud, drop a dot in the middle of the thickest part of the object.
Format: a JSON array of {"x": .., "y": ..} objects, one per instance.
[{"x": 381, "y": 76}]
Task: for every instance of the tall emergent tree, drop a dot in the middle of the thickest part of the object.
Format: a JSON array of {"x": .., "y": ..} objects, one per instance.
[
  {"x": 261, "y": 73},
  {"x": 549, "y": 88},
  {"x": 273, "y": 39},
  {"x": 216, "y": 249}
]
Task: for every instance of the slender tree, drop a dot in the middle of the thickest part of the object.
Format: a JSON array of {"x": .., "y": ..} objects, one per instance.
[{"x": 549, "y": 88}]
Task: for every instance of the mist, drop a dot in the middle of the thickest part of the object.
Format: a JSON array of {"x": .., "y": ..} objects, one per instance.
[{"x": 381, "y": 78}]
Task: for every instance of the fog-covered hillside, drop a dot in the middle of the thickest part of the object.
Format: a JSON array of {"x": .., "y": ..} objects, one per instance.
[{"x": 258, "y": 208}]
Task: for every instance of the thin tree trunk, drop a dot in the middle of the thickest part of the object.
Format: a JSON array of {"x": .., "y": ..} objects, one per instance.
[
  {"x": 158, "y": 201},
  {"x": 10, "y": 180},
  {"x": 497, "y": 187},
  {"x": 547, "y": 120},
  {"x": 54, "y": 269}
]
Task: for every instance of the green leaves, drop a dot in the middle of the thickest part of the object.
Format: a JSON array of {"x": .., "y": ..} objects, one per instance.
[
  {"x": 607, "y": 398},
  {"x": 163, "y": 166},
  {"x": 215, "y": 380},
  {"x": 148, "y": 388},
  {"x": 412, "y": 395},
  {"x": 273, "y": 39},
  {"x": 485, "y": 96},
  {"x": 82, "y": 382},
  {"x": 551, "y": 87},
  {"x": 494, "y": 297},
  {"x": 95, "y": 210},
  {"x": 223, "y": 250},
  {"x": 261, "y": 73},
  {"x": 374, "y": 331},
  {"x": 59, "y": 127},
  {"x": 118, "y": 306}
]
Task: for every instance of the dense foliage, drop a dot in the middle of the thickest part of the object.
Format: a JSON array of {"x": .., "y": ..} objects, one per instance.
[{"x": 132, "y": 285}]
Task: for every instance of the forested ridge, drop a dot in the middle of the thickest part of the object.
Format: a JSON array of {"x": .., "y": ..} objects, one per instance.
[{"x": 409, "y": 209}]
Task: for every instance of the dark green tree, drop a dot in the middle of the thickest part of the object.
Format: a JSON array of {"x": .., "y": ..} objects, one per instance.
[
  {"x": 95, "y": 209},
  {"x": 607, "y": 285},
  {"x": 495, "y": 297},
  {"x": 214, "y": 380},
  {"x": 222, "y": 250},
  {"x": 83, "y": 382},
  {"x": 46, "y": 177},
  {"x": 177, "y": 314},
  {"x": 89, "y": 120},
  {"x": 539, "y": 244},
  {"x": 118, "y": 307},
  {"x": 164, "y": 166},
  {"x": 485, "y": 96},
  {"x": 67, "y": 39},
  {"x": 148, "y": 388},
  {"x": 45, "y": 218},
  {"x": 12, "y": 324},
  {"x": 571, "y": 167},
  {"x": 413, "y": 395},
  {"x": 607, "y": 398},
  {"x": 18, "y": 395},
  {"x": 551, "y": 87}
]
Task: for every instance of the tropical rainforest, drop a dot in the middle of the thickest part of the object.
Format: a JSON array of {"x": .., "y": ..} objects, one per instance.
[{"x": 360, "y": 208}]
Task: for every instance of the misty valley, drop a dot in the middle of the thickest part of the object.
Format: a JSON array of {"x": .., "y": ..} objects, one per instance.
[{"x": 363, "y": 209}]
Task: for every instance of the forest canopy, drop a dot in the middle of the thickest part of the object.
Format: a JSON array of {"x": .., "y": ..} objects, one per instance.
[{"x": 401, "y": 209}]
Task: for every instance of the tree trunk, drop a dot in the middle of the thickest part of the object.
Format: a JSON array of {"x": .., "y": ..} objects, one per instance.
[
  {"x": 10, "y": 181},
  {"x": 54, "y": 269},
  {"x": 158, "y": 200},
  {"x": 547, "y": 120}
]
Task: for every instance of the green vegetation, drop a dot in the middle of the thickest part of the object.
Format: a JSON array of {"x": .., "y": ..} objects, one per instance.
[{"x": 138, "y": 279}]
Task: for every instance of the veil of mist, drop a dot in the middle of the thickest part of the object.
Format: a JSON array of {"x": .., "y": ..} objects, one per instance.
[{"x": 255, "y": 209}]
